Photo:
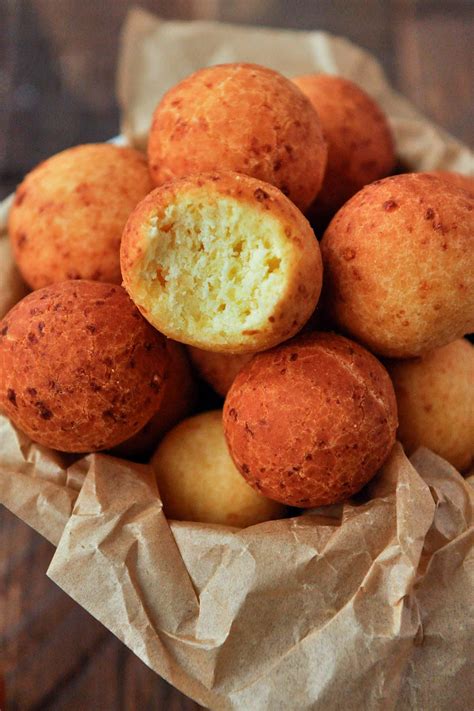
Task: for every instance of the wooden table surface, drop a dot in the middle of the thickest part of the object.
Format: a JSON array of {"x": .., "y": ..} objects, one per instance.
[{"x": 57, "y": 70}]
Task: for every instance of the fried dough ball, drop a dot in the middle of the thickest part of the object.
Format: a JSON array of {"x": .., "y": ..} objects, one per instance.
[
  {"x": 222, "y": 262},
  {"x": 399, "y": 265},
  {"x": 70, "y": 211},
  {"x": 218, "y": 369},
  {"x": 435, "y": 396},
  {"x": 240, "y": 117},
  {"x": 80, "y": 369},
  {"x": 310, "y": 422},
  {"x": 179, "y": 396},
  {"x": 466, "y": 182},
  {"x": 198, "y": 481},
  {"x": 12, "y": 286},
  {"x": 360, "y": 143}
]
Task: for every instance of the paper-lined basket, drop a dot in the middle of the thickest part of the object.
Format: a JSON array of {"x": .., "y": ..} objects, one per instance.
[{"x": 365, "y": 605}]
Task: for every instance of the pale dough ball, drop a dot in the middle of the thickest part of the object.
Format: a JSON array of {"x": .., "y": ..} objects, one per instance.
[
  {"x": 199, "y": 482},
  {"x": 435, "y": 396}
]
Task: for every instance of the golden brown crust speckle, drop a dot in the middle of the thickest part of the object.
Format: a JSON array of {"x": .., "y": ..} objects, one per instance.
[
  {"x": 247, "y": 124},
  {"x": 458, "y": 180},
  {"x": 69, "y": 213},
  {"x": 409, "y": 285}
]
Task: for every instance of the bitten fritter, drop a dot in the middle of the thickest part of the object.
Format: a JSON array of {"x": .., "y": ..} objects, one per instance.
[{"x": 223, "y": 262}]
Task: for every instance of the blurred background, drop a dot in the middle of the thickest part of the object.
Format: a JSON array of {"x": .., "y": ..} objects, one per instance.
[
  {"x": 57, "y": 88},
  {"x": 58, "y": 60}
]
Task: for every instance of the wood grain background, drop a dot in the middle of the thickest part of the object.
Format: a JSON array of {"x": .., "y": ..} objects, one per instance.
[{"x": 57, "y": 72}]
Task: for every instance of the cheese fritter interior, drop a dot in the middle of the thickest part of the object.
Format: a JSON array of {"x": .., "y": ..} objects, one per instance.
[{"x": 213, "y": 267}]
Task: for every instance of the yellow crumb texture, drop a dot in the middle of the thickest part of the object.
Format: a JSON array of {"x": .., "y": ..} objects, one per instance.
[
  {"x": 223, "y": 256},
  {"x": 219, "y": 270}
]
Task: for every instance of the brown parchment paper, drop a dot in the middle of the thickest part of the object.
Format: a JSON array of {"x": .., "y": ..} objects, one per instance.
[{"x": 361, "y": 606}]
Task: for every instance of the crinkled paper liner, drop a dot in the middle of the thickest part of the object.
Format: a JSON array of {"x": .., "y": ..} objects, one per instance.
[{"x": 360, "y": 606}]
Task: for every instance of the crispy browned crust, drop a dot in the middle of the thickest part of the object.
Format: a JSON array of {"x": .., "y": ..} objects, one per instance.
[
  {"x": 179, "y": 398},
  {"x": 69, "y": 213},
  {"x": 360, "y": 142},
  {"x": 304, "y": 279},
  {"x": 399, "y": 265},
  {"x": 240, "y": 117},
  {"x": 80, "y": 369},
  {"x": 465, "y": 182},
  {"x": 309, "y": 423}
]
